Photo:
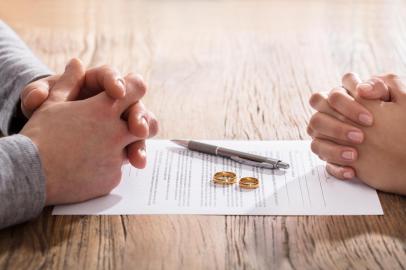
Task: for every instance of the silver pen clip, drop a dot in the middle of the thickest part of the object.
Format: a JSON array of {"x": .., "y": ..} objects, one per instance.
[{"x": 253, "y": 163}]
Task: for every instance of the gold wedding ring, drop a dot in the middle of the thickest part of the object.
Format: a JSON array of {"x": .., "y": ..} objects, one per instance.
[
  {"x": 225, "y": 178},
  {"x": 249, "y": 182}
]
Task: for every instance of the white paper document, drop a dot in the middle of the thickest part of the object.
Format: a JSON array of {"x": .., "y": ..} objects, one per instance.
[{"x": 179, "y": 181}]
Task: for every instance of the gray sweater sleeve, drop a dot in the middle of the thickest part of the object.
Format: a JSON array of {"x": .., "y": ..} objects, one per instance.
[
  {"x": 22, "y": 183},
  {"x": 18, "y": 67}
]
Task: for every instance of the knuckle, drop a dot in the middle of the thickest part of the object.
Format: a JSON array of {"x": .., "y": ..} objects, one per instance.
[
  {"x": 110, "y": 71},
  {"x": 348, "y": 75},
  {"x": 377, "y": 80},
  {"x": 315, "y": 121},
  {"x": 332, "y": 171},
  {"x": 391, "y": 76},
  {"x": 137, "y": 81},
  {"x": 113, "y": 70},
  {"x": 141, "y": 108},
  {"x": 309, "y": 131},
  {"x": 315, "y": 146},
  {"x": 141, "y": 86},
  {"x": 75, "y": 61},
  {"x": 154, "y": 127},
  {"x": 315, "y": 99},
  {"x": 104, "y": 67},
  {"x": 334, "y": 98}
]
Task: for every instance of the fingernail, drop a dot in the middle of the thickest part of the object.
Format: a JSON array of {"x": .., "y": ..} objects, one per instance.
[
  {"x": 348, "y": 175},
  {"x": 120, "y": 83},
  {"x": 142, "y": 120},
  {"x": 348, "y": 155},
  {"x": 366, "y": 119},
  {"x": 142, "y": 152},
  {"x": 365, "y": 86},
  {"x": 355, "y": 136}
]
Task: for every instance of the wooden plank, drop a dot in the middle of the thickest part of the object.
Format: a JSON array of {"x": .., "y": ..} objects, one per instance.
[{"x": 217, "y": 70}]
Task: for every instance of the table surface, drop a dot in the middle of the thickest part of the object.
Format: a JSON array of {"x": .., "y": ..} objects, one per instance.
[{"x": 247, "y": 68}]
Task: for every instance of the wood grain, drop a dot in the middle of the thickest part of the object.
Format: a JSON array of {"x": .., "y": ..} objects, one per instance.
[{"x": 217, "y": 70}]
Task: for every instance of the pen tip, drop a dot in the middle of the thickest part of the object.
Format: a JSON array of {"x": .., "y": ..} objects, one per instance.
[
  {"x": 283, "y": 165},
  {"x": 183, "y": 143}
]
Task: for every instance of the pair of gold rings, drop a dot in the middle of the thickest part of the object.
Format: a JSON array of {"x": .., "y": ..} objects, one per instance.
[{"x": 228, "y": 178}]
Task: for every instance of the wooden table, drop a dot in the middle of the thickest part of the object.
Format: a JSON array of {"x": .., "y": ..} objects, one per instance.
[{"x": 217, "y": 70}]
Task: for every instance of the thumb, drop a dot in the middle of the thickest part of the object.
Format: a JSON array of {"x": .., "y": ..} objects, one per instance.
[
  {"x": 396, "y": 87},
  {"x": 68, "y": 86},
  {"x": 33, "y": 95},
  {"x": 375, "y": 88}
]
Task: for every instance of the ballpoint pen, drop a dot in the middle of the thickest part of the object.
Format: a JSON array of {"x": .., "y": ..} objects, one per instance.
[{"x": 241, "y": 157}]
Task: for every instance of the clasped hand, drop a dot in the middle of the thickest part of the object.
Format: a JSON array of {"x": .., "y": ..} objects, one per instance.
[
  {"x": 359, "y": 129},
  {"x": 86, "y": 124}
]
